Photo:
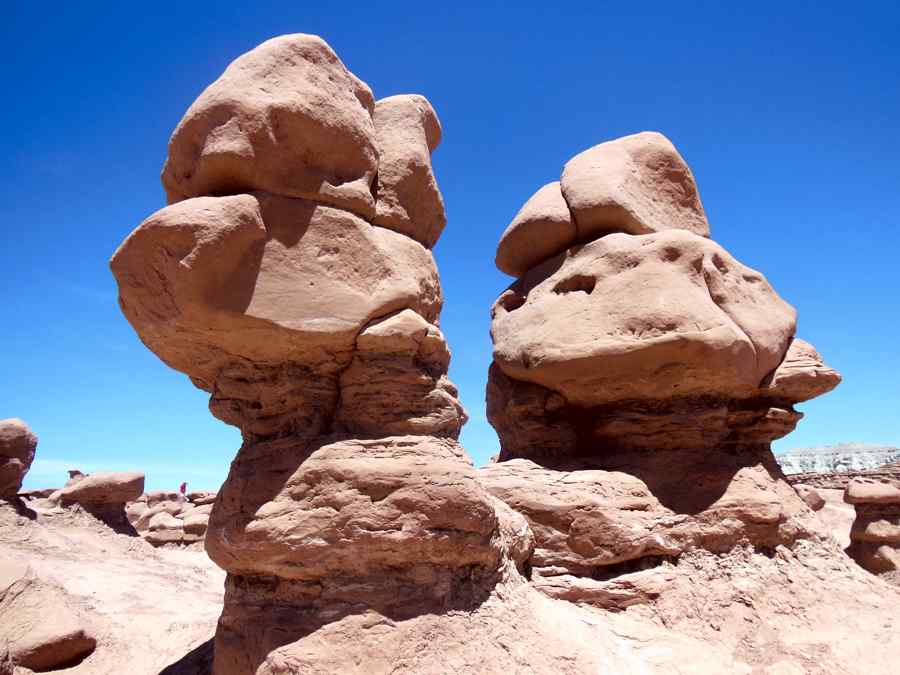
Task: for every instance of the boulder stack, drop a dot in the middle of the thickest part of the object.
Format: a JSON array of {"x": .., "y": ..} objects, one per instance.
[
  {"x": 171, "y": 517},
  {"x": 292, "y": 278},
  {"x": 17, "y": 448},
  {"x": 875, "y": 535},
  {"x": 640, "y": 373}
]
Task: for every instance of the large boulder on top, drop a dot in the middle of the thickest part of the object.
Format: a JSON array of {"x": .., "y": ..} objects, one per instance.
[
  {"x": 38, "y": 624},
  {"x": 407, "y": 131},
  {"x": 636, "y": 184},
  {"x": 17, "y": 448},
  {"x": 286, "y": 117},
  {"x": 652, "y": 316},
  {"x": 541, "y": 229}
]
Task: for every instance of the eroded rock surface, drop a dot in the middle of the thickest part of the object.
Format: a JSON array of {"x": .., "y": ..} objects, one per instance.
[
  {"x": 17, "y": 447},
  {"x": 640, "y": 373},
  {"x": 301, "y": 293},
  {"x": 171, "y": 517},
  {"x": 875, "y": 535}
]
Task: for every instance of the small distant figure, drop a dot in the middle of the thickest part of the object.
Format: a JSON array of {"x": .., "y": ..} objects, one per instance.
[{"x": 183, "y": 488}]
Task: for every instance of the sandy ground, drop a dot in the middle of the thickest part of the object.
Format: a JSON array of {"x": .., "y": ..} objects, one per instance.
[{"x": 149, "y": 607}]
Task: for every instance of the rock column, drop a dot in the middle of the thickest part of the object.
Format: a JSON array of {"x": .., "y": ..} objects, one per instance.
[
  {"x": 291, "y": 277},
  {"x": 640, "y": 374},
  {"x": 875, "y": 535}
]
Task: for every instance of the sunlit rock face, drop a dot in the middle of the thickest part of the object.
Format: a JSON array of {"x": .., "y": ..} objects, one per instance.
[
  {"x": 640, "y": 373},
  {"x": 291, "y": 277}
]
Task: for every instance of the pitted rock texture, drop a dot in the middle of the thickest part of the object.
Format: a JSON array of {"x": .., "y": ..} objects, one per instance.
[
  {"x": 875, "y": 535},
  {"x": 640, "y": 373},
  {"x": 293, "y": 281},
  {"x": 17, "y": 447},
  {"x": 287, "y": 118}
]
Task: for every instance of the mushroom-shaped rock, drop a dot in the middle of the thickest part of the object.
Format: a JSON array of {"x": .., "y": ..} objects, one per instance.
[
  {"x": 542, "y": 228},
  {"x": 654, "y": 316},
  {"x": 17, "y": 448},
  {"x": 872, "y": 492},
  {"x": 38, "y": 622},
  {"x": 104, "y": 488},
  {"x": 875, "y": 535},
  {"x": 220, "y": 288},
  {"x": 802, "y": 374},
  {"x": 408, "y": 199},
  {"x": 636, "y": 184},
  {"x": 287, "y": 118}
]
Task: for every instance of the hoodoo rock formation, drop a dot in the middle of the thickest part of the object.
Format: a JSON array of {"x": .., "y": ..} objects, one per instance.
[
  {"x": 640, "y": 373},
  {"x": 300, "y": 291},
  {"x": 170, "y": 517},
  {"x": 17, "y": 448},
  {"x": 875, "y": 535}
]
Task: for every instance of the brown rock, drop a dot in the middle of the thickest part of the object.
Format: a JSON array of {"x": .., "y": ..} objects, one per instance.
[
  {"x": 871, "y": 492},
  {"x": 37, "y": 622},
  {"x": 104, "y": 488},
  {"x": 351, "y": 508},
  {"x": 802, "y": 374},
  {"x": 17, "y": 448},
  {"x": 637, "y": 184},
  {"x": 642, "y": 317},
  {"x": 409, "y": 201},
  {"x": 811, "y": 497},
  {"x": 542, "y": 228},
  {"x": 264, "y": 299},
  {"x": 287, "y": 118}
]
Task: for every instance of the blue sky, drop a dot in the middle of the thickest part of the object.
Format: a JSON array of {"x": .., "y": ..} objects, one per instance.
[{"x": 788, "y": 113}]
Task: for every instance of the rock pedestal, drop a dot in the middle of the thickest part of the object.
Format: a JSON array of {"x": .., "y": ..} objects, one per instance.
[
  {"x": 640, "y": 373},
  {"x": 17, "y": 448},
  {"x": 875, "y": 535},
  {"x": 300, "y": 291}
]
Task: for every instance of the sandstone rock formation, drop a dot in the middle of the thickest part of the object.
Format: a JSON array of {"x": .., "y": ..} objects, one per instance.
[
  {"x": 170, "y": 517},
  {"x": 875, "y": 535},
  {"x": 17, "y": 448},
  {"x": 38, "y": 626},
  {"x": 302, "y": 295},
  {"x": 104, "y": 494},
  {"x": 640, "y": 373}
]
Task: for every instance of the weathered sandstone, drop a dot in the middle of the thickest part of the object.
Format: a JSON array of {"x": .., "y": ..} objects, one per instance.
[
  {"x": 17, "y": 448},
  {"x": 875, "y": 535},
  {"x": 38, "y": 625},
  {"x": 636, "y": 184},
  {"x": 407, "y": 131},
  {"x": 287, "y": 118}
]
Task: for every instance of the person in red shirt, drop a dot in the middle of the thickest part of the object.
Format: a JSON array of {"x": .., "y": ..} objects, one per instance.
[{"x": 183, "y": 488}]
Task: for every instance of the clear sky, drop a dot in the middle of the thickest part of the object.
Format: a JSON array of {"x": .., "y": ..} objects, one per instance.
[{"x": 788, "y": 113}]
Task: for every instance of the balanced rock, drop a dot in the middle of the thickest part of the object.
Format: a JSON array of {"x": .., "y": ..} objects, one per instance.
[
  {"x": 287, "y": 118},
  {"x": 407, "y": 131},
  {"x": 17, "y": 448},
  {"x": 542, "y": 228},
  {"x": 640, "y": 374},
  {"x": 308, "y": 307},
  {"x": 38, "y": 625},
  {"x": 875, "y": 535},
  {"x": 104, "y": 488},
  {"x": 636, "y": 184}
]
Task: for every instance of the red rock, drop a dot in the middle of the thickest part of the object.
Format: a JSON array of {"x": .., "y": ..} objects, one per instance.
[
  {"x": 287, "y": 118},
  {"x": 636, "y": 184},
  {"x": 409, "y": 201},
  {"x": 104, "y": 488},
  {"x": 17, "y": 448}
]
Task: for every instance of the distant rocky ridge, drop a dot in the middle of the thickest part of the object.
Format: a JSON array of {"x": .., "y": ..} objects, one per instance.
[{"x": 840, "y": 458}]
